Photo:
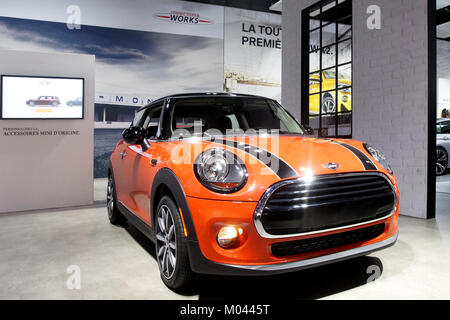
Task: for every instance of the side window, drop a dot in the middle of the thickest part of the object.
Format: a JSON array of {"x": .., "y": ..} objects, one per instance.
[
  {"x": 138, "y": 118},
  {"x": 445, "y": 128},
  {"x": 234, "y": 121},
  {"x": 151, "y": 122}
]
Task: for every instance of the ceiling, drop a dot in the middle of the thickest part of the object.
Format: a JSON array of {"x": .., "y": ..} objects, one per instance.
[
  {"x": 442, "y": 3},
  {"x": 343, "y": 11},
  {"x": 257, "y": 5}
]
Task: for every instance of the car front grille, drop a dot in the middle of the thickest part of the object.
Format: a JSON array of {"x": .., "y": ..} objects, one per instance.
[
  {"x": 290, "y": 248},
  {"x": 328, "y": 202}
]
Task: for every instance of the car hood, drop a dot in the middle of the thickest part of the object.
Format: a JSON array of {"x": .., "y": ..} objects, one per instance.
[
  {"x": 272, "y": 159},
  {"x": 297, "y": 156}
]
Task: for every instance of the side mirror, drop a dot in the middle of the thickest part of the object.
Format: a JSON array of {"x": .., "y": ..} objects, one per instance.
[
  {"x": 134, "y": 135},
  {"x": 309, "y": 130}
]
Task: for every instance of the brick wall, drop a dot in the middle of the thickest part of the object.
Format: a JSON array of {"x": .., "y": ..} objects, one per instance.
[{"x": 390, "y": 86}]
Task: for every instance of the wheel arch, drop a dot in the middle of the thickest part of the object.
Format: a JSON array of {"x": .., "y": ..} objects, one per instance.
[
  {"x": 110, "y": 170},
  {"x": 167, "y": 183}
]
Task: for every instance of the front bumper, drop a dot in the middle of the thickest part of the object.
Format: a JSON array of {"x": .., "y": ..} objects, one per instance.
[
  {"x": 201, "y": 265},
  {"x": 254, "y": 256}
]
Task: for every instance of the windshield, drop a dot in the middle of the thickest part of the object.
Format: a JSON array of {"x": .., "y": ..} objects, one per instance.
[{"x": 231, "y": 116}]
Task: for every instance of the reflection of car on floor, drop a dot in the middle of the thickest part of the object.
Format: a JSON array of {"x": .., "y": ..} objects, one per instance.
[
  {"x": 216, "y": 200},
  {"x": 44, "y": 101},
  {"x": 328, "y": 98},
  {"x": 443, "y": 146},
  {"x": 77, "y": 102}
]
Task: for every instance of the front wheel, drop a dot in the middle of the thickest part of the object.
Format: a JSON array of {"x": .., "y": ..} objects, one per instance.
[
  {"x": 171, "y": 246},
  {"x": 328, "y": 104},
  {"x": 441, "y": 161}
]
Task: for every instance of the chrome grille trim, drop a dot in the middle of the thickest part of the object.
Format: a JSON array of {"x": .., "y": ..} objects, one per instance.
[{"x": 257, "y": 215}]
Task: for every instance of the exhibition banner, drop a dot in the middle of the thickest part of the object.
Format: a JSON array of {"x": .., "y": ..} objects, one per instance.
[
  {"x": 166, "y": 16},
  {"x": 132, "y": 68},
  {"x": 149, "y": 50},
  {"x": 252, "y": 53}
]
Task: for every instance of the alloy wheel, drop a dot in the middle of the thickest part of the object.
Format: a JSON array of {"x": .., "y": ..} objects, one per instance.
[
  {"x": 166, "y": 244},
  {"x": 328, "y": 105},
  {"x": 441, "y": 161},
  {"x": 110, "y": 197}
]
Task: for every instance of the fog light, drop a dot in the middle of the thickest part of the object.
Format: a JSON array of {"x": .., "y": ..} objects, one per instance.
[
  {"x": 344, "y": 99},
  {"x": 228, "y": 237}
]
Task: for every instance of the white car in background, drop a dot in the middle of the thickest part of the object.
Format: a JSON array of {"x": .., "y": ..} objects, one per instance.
[{"x": 443, "y": 146}]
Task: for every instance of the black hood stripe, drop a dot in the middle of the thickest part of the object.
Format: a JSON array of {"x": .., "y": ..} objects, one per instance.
[
  {"x": 365, "y": 160},
  {"x": 284, "y": 171}
]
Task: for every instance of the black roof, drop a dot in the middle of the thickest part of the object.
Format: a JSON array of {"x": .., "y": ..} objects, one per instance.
[{"x": 206, "y": 94}]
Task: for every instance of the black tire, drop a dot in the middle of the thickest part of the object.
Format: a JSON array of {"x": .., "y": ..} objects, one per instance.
[
  {"x": 115, "y": 216},
  {"x": 441, "y": 161},
  {"x": 175, "y": 273}
]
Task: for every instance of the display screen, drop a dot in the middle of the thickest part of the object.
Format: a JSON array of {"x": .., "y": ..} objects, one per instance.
[{"x": 26, "y": 97}]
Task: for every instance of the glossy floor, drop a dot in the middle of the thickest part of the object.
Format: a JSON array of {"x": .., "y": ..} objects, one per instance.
[{"x": 115, "y": 263}]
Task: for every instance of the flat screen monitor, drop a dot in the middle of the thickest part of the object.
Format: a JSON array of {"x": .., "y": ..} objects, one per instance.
[{"x": 35, "y": 97}]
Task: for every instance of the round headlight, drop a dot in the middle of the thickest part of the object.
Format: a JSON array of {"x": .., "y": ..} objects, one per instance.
[
  {"x": 379, "y": 157},
  {"x": 220, "y": 171}
]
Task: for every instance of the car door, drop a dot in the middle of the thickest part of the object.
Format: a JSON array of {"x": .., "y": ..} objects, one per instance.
[
  {"x": 123, "y": 164},
  {"x": 41, "y": 100},
  {"x": 142, "y": 168},
  {"x": 445, "y": 130},
  {"x": 443, "y": 136}
]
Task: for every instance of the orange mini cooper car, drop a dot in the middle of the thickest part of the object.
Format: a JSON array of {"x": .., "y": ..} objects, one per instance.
[{"x": 233, "y": 185}]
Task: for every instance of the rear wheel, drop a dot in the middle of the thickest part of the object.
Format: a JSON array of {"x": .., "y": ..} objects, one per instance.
[
  {"x": 441, "y": 161},
  {"x": 114, "y": 215},
  {"x": 171, "y": 246}
]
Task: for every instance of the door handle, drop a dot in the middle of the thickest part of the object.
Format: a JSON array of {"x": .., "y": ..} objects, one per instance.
[{"x": 123, "y": 154}]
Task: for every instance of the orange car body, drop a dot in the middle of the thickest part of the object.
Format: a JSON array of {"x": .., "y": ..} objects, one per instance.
[{"x": 142, "y": 176}]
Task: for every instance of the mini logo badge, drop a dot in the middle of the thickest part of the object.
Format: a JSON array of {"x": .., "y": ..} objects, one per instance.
[{"x": 332, "y": 166}]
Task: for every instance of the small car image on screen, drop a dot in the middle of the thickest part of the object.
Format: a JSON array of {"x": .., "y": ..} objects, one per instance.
[
  {"x": 44, "y": 101},
  {"x": 32, "y": 97},
  {"x": 76, "y": 102}
]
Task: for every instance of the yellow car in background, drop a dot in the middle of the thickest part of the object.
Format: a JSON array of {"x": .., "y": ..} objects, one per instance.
[{"x": 328, "y": 104}]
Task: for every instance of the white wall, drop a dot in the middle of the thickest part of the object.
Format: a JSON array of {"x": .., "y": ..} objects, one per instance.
[
  {"x": 391, "y": 92},
  {"x": 291, "y": 54},
  {"x": 390, "y": 86},
  {"x": 43, "y": 171}
]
